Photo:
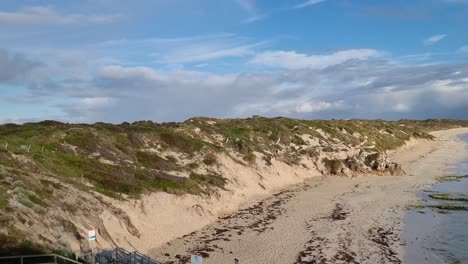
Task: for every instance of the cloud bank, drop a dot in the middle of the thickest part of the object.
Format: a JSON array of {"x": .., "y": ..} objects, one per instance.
[
  {"x": 344, "y": 84},
  {"x": 45, "y": 15}
]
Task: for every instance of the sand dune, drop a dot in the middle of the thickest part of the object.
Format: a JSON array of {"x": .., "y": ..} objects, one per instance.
[{"x": 325, "y": 219}]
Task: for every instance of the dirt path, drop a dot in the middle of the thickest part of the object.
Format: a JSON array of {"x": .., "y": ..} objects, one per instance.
[{"x": 325, "y": 219}]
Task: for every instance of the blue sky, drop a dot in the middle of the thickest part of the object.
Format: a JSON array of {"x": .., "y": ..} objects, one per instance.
[{"x": 169, "y": 60}]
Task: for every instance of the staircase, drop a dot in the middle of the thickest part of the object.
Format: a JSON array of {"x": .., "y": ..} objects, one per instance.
[
  {"x": 120, "y": 256},
  {"x": 115, "y": 256}
]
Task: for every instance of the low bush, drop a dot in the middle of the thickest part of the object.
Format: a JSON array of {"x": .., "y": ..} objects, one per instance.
[
  {"x": 333, "y": 165},
  {"x": 209, "y": 180},
  {"x": 209, "y": 159},
  {"x": 371, "y": 158}
]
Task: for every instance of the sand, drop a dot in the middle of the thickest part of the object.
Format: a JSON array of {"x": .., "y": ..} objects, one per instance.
[{"x": 326, "y": 219}]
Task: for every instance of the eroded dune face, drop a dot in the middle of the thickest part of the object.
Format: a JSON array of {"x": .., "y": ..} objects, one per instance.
[{"x": 142, "y": 184}]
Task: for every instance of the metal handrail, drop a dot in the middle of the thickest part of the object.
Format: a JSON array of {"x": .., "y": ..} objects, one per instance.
[
  {"x": 119, "y": 255},
  {"x": 55, "y": 256}
]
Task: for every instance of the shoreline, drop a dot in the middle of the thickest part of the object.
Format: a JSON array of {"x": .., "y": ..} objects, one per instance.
[{"x": 330, "y": 219}]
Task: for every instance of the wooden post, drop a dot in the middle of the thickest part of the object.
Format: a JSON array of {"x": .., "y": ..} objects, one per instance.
[{"x": 6, "y": 146}]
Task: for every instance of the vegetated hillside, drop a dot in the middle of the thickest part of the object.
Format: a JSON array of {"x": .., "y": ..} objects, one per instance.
[{"x": 58, "y": 179}]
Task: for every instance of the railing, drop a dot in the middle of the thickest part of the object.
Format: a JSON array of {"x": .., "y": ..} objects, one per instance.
[
  {"x": 115, "y": 256},
  {"x": 37, "y": 259},
  {"x": 121, "y": 256}
]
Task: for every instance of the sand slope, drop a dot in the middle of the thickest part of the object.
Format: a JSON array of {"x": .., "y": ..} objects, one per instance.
[{"x": 325, "y": 219}]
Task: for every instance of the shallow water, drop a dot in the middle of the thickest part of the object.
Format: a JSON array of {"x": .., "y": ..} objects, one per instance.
[{"x": 439, "y": 236}]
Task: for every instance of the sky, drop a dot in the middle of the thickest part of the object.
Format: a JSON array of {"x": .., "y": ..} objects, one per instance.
[{"x": 86, "y": 61}]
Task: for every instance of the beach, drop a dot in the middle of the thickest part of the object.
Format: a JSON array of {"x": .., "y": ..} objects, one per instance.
[{"x": 326, "y": 219}]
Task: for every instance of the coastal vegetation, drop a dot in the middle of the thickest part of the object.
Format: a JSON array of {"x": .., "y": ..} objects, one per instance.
[
  {"x": 135, "y": 158},
  {"x": 59, "y": 171}
]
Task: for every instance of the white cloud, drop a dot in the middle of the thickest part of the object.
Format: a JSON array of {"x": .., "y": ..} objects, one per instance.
[
  {"x": 40, "y": 15},
  {"x": 464, "y": 49},
  {"x": 248, "y": 5},
  {"x": 287, "y": 107},
  {"x": 195, "y": 49},
  {"x": 309, "y": 3},
  {"x": 199, "y": 53},
  {"x": 401, "y": 107},
  {"x": 141, "y": 75},
  {"x": 434, "y": 39},
  {"x": 95, "y": 102},
  {"x": 293, "y": 60},
  {"x": 254, "y": 18}
]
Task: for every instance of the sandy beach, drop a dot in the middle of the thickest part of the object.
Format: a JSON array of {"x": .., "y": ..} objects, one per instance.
[{"x": 325, "y": 219}]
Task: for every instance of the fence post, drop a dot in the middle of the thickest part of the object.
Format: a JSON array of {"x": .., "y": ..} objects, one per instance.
[
  {"x": 55, "y": 259},
  {"x": 6, "y": 146},
  {"x": 21, "y": 260}
]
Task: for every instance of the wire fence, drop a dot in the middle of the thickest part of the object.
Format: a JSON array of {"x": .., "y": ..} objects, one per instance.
[{"x": 37, "y": 259}]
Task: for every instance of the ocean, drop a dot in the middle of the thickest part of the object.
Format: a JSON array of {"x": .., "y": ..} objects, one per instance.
[{"x": 433, "y": 235}]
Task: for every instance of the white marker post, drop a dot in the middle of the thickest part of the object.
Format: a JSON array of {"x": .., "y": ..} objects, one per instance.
[
  {"x": 194, "y": 259},
  {"x": 91, "y": 238},
  {"x": 91, "y": 234}
]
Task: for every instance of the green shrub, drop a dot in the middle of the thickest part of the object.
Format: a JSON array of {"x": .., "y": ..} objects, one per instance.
[
  {"x": 250, "y": 158},
  {"x": 171, "y": 158},
  {"x": 209, "y": 159},
  {"x": 192, "y": 165},
  {"x": 333, "y": 165},
  {"x": 267, "y": 159},
  {"x": 209, "y": 180},
  {"x": 298, "y": 140},
  {"x": 371, "y": 158},
  {"x": 83, "y": 139},
  {"x": 182, "y": 142},
  {"x": 152, "y": 160},
  {"x": 24, "y": 200},
  {"x": 18, "y": 244},
  {"x": 291, "y": 159},
  {"x": 3, "y": 199}
]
